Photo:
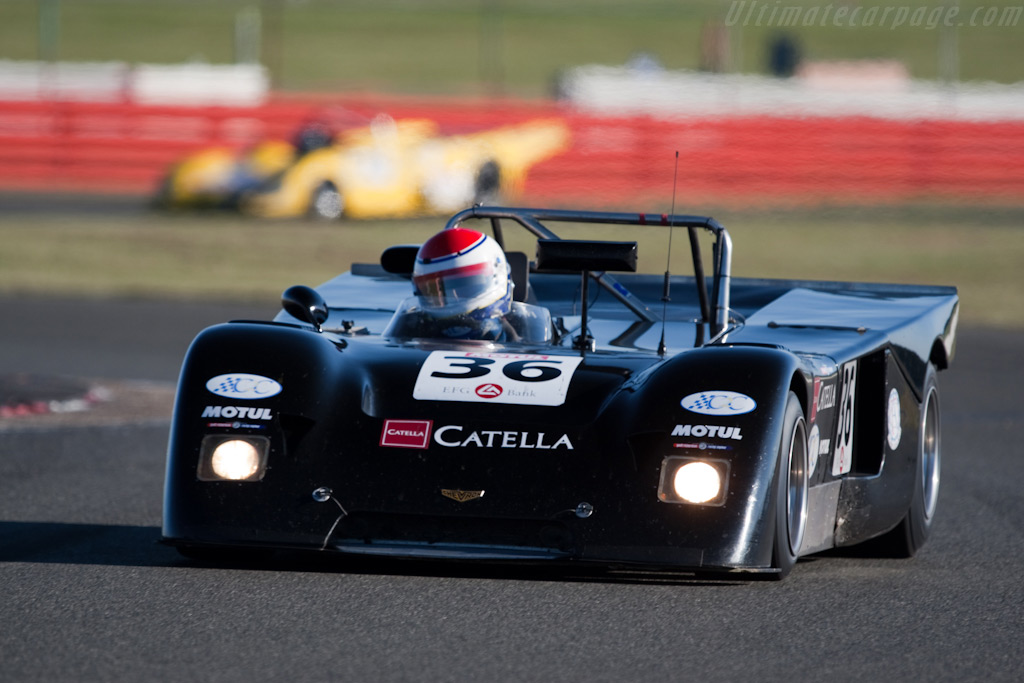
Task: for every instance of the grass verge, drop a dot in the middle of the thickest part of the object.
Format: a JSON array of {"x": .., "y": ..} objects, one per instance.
[{"x": 223, "y": 257}]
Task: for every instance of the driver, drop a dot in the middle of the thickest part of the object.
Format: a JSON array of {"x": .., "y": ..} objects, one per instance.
[{"x": 462, "y": 290}]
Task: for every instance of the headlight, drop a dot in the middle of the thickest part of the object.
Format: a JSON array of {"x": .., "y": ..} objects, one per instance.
[
  {"x": 228, "y": 458},
  {"x": 693, "y": 480},
  {"x": 697, "y": 482}
]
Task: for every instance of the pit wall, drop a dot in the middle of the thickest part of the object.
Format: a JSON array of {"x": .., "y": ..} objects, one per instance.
[{"x": 126, "y": 148}]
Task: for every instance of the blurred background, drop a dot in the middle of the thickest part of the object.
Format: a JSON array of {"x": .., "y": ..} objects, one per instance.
[{"x": 853, "y": 139}]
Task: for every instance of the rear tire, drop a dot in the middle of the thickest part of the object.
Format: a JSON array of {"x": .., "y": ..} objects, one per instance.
[
  {"x": 912, "y": 532},
  {"x": 326, "y": 204},
  {"x": 791, "y": 484}
]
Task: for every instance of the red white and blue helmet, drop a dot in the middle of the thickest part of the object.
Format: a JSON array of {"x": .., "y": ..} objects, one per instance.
[{"x": 461, "y": 272}]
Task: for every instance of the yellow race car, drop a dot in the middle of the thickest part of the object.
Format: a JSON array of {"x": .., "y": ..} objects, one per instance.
[
  {"x": 405, "y": 168},
  {"x": 390, "y": 168}
]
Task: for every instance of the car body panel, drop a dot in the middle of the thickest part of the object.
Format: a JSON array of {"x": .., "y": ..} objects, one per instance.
[
  {"x": 361, "y": 463},
  {"x": 218, "y": 177},
  {"x": 405, "y": 168}
]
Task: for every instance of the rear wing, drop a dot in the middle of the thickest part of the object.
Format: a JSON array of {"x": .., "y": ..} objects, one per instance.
[{"x": 534, "y": 220}]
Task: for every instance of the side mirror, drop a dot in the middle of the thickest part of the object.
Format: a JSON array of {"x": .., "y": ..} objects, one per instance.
[
  {"x": 400, "y": 259},
  {"x": 306, "y": 304}
]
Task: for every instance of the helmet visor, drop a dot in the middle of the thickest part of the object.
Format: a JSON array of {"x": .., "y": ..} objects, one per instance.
[{"x": 458, "y": 284}]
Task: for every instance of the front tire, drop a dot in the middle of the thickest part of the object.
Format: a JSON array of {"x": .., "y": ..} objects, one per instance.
[{"x": 791, "y": 484}]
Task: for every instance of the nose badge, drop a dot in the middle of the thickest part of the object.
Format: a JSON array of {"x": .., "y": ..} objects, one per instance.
[{"x": 461, "y": 496}]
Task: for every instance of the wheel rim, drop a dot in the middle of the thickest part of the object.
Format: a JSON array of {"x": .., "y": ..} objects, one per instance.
[
  {"x": 796, "y": 490},
  {"x": 930, "y": 454},
  {"x": 327, "y": 203}
]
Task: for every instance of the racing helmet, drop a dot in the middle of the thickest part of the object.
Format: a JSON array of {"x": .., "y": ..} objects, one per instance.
[
  {"x": 312, "y": 136},
  {"x": 462, "y": 273}
]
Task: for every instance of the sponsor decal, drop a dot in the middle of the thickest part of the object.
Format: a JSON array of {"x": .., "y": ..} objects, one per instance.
[
  {"x": 240, "y": 385},
  {"x": 814, "y": 400},
  {"x": 828, "y": 396},
  {"x": 235, "y": 425},
  {"x": 842, "y": 456},
  {"x": 488, "y": 391},
  {"x": 241, "y": 412},
  {"x": 703, "y": 446},
  {"x": 455, "y": 436},
  {"x": 461, "y": 496},
  {"x": 406, "y": 433},
  {"x": 813, "y": 444},
  {"x": 824, "y": 397},
  {"x": 481, "y": 377},
  {"x": 718, "y": 403},
  {"x": 894, "y": 419},
  {"x": 710, "y": 431}
]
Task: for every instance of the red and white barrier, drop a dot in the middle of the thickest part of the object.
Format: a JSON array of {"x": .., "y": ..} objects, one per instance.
[{"x": 612, "y": 160}]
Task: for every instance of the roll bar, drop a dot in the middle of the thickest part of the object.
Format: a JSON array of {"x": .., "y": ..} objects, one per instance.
[{"x": 533, "y": 220}]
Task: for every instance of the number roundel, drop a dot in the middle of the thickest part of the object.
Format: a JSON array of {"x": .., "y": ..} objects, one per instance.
[
  {"x": 524, "y": 379},
  {"x": 842, "y": 457}
]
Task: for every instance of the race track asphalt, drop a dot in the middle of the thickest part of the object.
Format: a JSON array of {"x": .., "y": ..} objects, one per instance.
[{"x": 87, "y": 593}]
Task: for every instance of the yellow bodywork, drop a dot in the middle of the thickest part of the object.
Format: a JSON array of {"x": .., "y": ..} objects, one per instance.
[
  {"x": 211, "y": 177},
  {"x": 404, "y": 168}
]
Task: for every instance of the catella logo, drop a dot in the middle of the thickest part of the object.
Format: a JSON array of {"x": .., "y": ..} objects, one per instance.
[
  {"x": 824, "y": 397},
  {"x": 461, "y": 496},
  {"x": 828, "y": 397},
  {"x": 406, "y": 433},
  {"x": 454, "y": 436}
]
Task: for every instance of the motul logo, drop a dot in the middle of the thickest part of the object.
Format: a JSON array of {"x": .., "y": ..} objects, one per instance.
[
  {"x": 710, "y": 431},
  {"x": 406, "y": 433},
  {"x": 240, "y": 412}
]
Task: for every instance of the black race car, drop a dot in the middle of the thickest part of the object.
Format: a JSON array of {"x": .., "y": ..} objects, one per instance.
[{"x": 699, "y": 423}]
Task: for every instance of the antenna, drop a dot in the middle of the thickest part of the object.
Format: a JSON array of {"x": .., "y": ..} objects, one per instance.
[{"x": 668, "y": 259}]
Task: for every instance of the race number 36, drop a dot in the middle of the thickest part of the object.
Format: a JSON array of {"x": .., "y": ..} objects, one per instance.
[
  {"x": 842, "y": 457},
  {"x": 518, "y": 378}
]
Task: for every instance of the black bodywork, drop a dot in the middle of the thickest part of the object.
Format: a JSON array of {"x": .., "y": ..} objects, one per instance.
[{"x": 358, "y": 460}]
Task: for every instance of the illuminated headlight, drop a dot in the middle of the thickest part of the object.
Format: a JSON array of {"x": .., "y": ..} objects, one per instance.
[
  {"x": 693, "y": 480},
  {"x": 229, "y": 458}
]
